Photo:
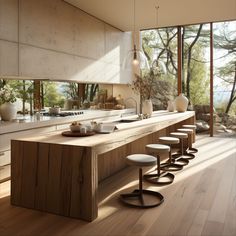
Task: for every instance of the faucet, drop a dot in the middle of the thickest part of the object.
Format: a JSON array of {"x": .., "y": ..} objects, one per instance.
[{"x": 136, "y": 104}]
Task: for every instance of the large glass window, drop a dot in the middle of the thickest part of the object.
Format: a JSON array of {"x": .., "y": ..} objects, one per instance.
[
  {"x": 160, "y": 47},
  {"x": 37, "y": 95},
  {"x": 225, "y": 77},
  {"x": 196, "y": 71}
]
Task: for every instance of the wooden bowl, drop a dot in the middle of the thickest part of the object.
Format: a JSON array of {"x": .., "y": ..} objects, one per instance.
[{"x": 75, "y": 128}]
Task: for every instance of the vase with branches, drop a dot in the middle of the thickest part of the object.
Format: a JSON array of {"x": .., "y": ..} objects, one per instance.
[{"x": 146, "y": 86}]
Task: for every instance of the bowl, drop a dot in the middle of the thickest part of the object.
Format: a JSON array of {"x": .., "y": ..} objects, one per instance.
[{"x": 75, "y": 128}]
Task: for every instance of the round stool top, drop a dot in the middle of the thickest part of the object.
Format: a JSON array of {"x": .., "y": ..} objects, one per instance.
[
  {"x": 157, "y": 148},
  {"x": 169, "y": 140},
  {"x": 141, "y": 160},
  {"x": 187, "y": 131},
  {"x": 179, "y": 135},
  {"x": 193, "y": 127}
]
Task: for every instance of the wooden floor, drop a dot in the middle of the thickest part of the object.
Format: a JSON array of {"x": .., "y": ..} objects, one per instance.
[{"x": 201, "y": 201}]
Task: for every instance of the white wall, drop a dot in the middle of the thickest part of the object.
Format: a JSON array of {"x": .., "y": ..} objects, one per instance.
[{"x": 54, "y": 40}]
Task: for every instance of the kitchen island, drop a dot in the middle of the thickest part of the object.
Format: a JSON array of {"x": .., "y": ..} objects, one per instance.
[{"x": 61, "y": 175}]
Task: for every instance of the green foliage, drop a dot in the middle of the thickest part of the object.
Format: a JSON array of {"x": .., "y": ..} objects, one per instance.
[
  {"x": 52, "y": 96},
  {"x": 199, "y": 83},
  {"x": 7, "y": 94},
  {"x": 70, "y": 90}
]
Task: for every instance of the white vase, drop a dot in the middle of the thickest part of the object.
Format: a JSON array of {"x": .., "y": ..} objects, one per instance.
[
  {"x": 8, "y": 111},
  {"x": 181, "y": 103},
  {"x": 147, "y": 107},
  {"x": 171, "y": 106}
]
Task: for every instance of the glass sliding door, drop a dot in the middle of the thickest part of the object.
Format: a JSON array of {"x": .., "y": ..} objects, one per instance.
[
  {"x": 196, "y": 72},
  {"x": 225, "y": 78}
]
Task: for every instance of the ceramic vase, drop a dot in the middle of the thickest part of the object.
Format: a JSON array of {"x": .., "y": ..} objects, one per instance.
[
  {"x": 171, "y": 106},
  {"x": 147, "y": 107},
  {"x": 181, "y": 103},
  {"x": 8, "y": 111}
]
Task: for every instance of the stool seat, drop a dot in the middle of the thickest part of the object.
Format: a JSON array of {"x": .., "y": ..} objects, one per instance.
[
  {"x": 157, "y": 148},
  {"x": 170, "y": 165},
  {"x": 187, "y": 131},
  {"x": 141, "y": 160},
  {"x": 182, "y": 155},
  {"x": 160, "y": 178},
  {"x": 169, "y": 140},
  {"x": 193, "y": 127},
  {"x": 179, "y": 135},
  {"x": 140, "y": 197}
]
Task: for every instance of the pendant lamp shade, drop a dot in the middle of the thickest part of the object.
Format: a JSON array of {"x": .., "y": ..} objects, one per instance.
[{"x": 135, "y": 57}]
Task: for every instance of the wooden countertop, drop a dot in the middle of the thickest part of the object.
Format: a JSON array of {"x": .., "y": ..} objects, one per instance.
[
  {"x": 57, "y": 174},
  {"x": 105, "y": 142}
]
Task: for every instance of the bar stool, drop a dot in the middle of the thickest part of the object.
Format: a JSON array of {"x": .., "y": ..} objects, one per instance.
[
  {"x": 180, "y": 155},
  {"x": 159, "y": 178},
  {"x": 170, "y": 165},
  {"x": 189, "y": 132},
  {"x": 193, "y": 127},
  {"x": 142, "y": 198}
]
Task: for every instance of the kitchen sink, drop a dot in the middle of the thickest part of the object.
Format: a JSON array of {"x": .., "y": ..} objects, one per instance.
[{"x": 127, "y": 120}]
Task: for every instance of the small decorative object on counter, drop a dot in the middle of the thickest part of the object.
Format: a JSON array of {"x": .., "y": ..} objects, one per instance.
[
  {"x": 147, "y": 107},
  {"x": 181, "y": 103},
  {"x": 75, "y": 126},
  {"x": 37, "y": 114},
  {"x": 83, "y": 130},
  {"x": 171, "y": 106}
]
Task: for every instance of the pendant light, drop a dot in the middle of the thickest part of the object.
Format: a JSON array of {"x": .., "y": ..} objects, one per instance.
[
  {"x": 135, "y": 57},
  {"x": 158, "y": 66}
]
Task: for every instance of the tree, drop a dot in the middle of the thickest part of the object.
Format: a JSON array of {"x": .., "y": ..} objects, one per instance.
[
  {"x": 225, "y": 42},
  {"x": 70, "y": 90},
  {"x": 228, "y": 74},
  {"x": 52, "y": 97},
  {"x": 161, "y": 45},
  {"x": 189, "y": 45}
]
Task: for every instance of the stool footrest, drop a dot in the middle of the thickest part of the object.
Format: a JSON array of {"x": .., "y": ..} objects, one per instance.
[
  {"x": 181, "y": 161},
  {"x": 192, "y": 150},
  {"x": 171, "y": 166},
  {"x": 186, "y": 155},
  {"x": 162, "y": 179},
  {"x": 143, "y": 199}
]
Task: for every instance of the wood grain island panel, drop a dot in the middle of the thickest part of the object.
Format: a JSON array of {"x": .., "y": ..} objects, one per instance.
[{"x": 61, "y": 175}]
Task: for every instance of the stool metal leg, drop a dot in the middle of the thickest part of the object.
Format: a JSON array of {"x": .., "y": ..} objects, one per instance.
[
  {"x": 170, "y": 165},
  {"x": 191, "y": 149},
  {"x": 137, "y": 197},
  {"x": 182, "y": 156},
  {"x": 160, "y": 178}
]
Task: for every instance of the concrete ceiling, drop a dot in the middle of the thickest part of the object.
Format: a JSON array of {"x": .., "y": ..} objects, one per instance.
[{"x": 119, "y": 13}]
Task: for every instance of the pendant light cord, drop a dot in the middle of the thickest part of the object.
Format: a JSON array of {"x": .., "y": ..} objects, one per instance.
[
  {"x": 157, "y": 8},
  {"x": 134, "y": 25}
]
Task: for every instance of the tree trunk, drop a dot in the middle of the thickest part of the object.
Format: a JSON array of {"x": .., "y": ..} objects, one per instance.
[
  {"x": 232, "y": 95},
  {"x": 188, "y": 79}
]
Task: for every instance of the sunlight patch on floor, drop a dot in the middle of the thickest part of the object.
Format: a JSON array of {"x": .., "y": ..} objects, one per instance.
[{"x": 5, "y": 189}]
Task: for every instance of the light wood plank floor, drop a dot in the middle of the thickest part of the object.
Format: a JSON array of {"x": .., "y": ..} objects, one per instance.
[{"x": 201, "y": 201}]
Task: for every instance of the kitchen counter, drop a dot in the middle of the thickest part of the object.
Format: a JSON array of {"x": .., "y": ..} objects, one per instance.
[
  {"x": 30, "y": 122},
  {"x": 60, "y": 174}
]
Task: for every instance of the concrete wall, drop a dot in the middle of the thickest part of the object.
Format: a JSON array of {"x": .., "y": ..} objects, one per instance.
[{"x": 54, "y": 40}]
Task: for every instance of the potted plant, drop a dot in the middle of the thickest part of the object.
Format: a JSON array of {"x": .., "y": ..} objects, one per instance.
[{"x": 7, "y": 107}]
